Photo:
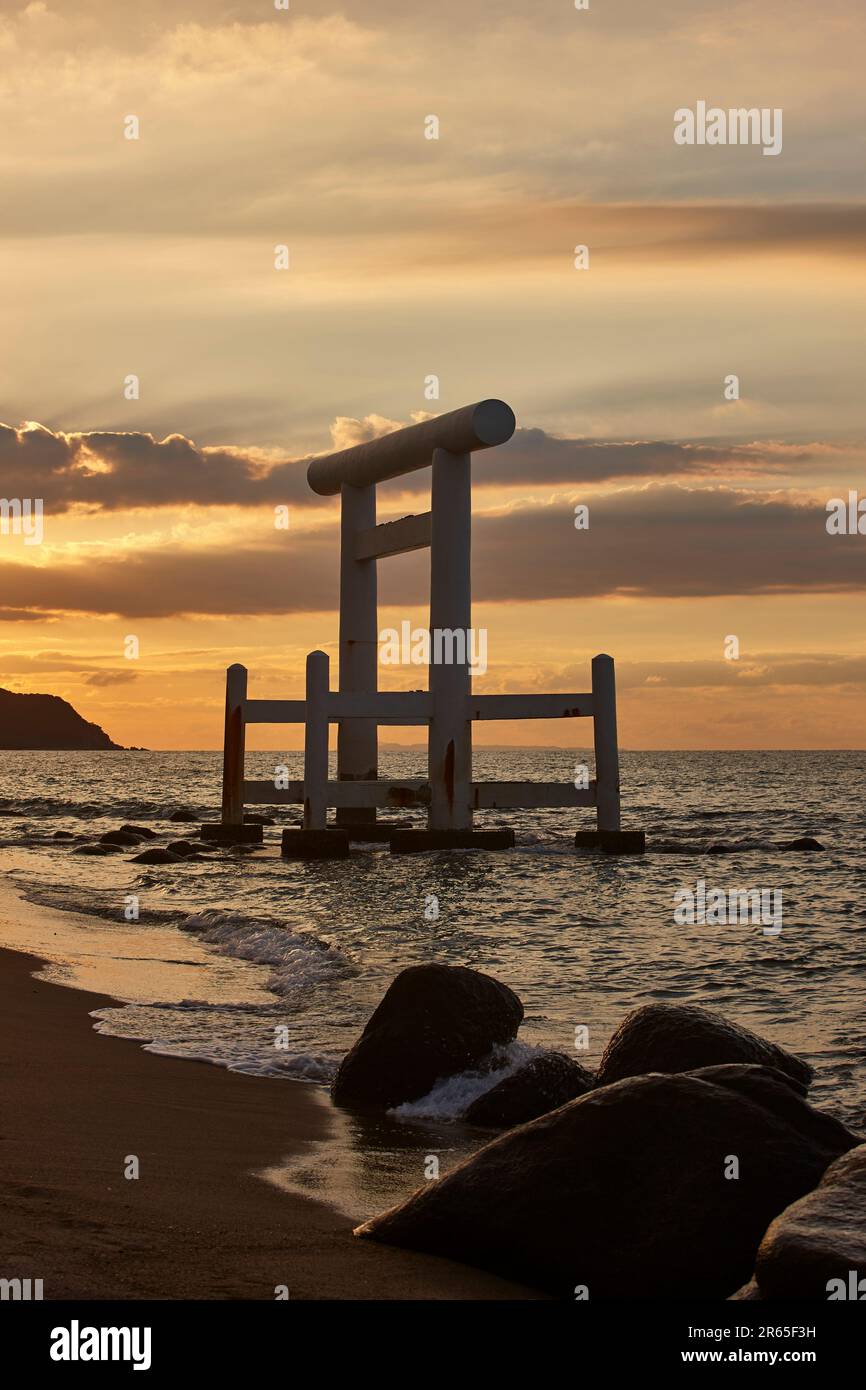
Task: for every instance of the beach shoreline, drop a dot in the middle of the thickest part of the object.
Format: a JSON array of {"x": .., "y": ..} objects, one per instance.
[{"x": 197, "y": 1223}]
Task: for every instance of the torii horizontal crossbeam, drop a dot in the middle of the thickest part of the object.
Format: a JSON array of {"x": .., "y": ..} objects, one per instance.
[{"x": 464, "y": 431}]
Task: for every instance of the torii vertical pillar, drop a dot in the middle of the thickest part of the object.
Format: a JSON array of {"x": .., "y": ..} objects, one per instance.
[
  {"x": 357, "y": 739},
  {"x": 450, "y": 743},
  {"x": 231, "y": 829},
  {"x": 233, "y": 746}
]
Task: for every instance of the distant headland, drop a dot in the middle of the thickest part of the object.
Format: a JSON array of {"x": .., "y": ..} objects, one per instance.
[{"x": 46, "y": 722}]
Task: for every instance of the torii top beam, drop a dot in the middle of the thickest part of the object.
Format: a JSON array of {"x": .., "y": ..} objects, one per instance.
[{"x": 464, "y": 431}]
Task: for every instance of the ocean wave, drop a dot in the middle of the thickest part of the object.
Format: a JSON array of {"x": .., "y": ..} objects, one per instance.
[
  {"x": 107, "y": 808},
  {"x": 87, "y": 902},
  {"x": 662, "y": 846},
  {"x": 298, "y": 959}
]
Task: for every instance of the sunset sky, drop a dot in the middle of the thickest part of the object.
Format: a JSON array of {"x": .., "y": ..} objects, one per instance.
[{"x": 412, "y": 257}]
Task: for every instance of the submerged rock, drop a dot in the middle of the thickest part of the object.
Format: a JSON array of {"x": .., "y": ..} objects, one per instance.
[
  {"x": 434, "y": 1021},
  {"x": 817, "y": 1247},
  {"x": 183, "y": 814},
  {"x": 142, "y": 831},
  {"x": 63, "y": 835},
  {"x": 97, "y": 849},
  {"x": 120, "y": 837},
  {"x": 680, "y": 1037},
  {"x": 157, "y": 856},
  {"x": 184, "y": 848},
  {"x": 541, "y": 1085},
  {"x": 629, "y": 1191},
  {"x": 804, "y": 843}
]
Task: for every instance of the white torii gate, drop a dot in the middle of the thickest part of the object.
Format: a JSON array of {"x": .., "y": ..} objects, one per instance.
[{"x": 447, "y": 707}]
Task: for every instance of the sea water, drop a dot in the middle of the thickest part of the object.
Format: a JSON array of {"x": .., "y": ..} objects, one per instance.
[{"x": 273, "y": 966}]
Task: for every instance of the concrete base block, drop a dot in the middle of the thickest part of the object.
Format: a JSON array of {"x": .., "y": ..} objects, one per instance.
[
  {"x": 418, "y": 841},
  {"x": 623, "y": 841},
  {"x": 374, "y": 834},
  {"x": 316, "y": 844},
  {"x": 612, "y": 841},
  {"x": 587, "y": 839},
  {"x": 231, "y": 834}
]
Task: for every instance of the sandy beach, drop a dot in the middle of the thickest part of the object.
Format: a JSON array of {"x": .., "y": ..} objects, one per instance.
[{"x": 197, "y": 1223}]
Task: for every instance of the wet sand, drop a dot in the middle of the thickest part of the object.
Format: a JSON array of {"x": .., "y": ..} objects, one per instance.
[{"x": 197, "y": 1223}]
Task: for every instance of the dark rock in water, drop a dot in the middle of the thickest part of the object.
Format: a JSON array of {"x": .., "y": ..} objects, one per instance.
[
  {"x": 184, "y": 848},
  {"x": 63, "y": 835},
  {"x": 804, "y": 843},
  {"x": 543, "y": 1084},
  {"x": 820, "y": 1239},
  {"x": 259, "y": 820},
  {"x": 680, "y": 1037},
  {"x": 97, "y": 849},
  {"x": 183, "y": 814},
  {"x": 157, "y": 856},
  {"x": 720, "y": 847},
  {"x": 628, "y": 1190},
  {"x": 434, "y": 1021},
  {"x": 120, "y": 837},
  {"x": 142, "y": 831}
]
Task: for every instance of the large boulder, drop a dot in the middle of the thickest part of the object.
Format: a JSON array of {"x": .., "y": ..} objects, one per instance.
[
  {"x": 681, "y": 1037},
  {"x": 542, "y": 1084},
  {"x": 817, "y": 1247},
  {"x": 434, "y": 1021},
  {"x": 629, "y": 1191}
]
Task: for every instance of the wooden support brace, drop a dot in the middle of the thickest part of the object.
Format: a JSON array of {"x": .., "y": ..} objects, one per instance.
[{"x": 394, "y": 537}]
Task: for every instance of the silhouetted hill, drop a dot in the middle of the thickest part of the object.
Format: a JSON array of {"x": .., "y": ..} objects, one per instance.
[{"x": 46, "y": 721}]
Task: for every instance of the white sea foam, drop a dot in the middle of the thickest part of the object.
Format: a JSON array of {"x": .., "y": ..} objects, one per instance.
[
  {"x": 298, "y": 1066},
  {"x": 452, "y": 1096}
]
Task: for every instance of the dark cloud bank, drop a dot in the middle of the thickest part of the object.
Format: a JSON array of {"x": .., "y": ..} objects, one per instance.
[
  {"x": 661, "y": 541},
  {"x": 116, "y": 471}
]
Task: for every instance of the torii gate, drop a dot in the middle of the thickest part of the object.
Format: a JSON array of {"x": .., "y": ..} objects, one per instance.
[{"x": 447, "y": 707}]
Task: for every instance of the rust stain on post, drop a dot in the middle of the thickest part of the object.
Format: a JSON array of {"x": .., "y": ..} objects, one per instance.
[{"x": 231, "y": 806}]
